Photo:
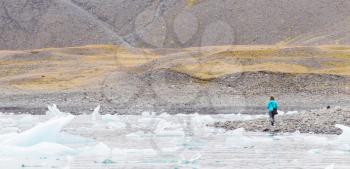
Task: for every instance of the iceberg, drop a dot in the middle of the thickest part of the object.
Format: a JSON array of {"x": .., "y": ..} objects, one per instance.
[
  {"x": 346, "y": 132},
  {"x": 96, "y": 116},
  {"x": 44, "y": 132},
  {"x": 343, "y": 140},
  {"x": 54, "y": 111}
]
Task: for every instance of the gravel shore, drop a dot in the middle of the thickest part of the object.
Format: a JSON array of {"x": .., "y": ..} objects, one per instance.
[
  {"x": 320, "y": 121},
  {"x": 163, "y": 90}
]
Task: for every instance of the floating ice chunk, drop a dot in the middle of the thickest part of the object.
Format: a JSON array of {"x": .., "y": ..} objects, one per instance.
[
  {"x": 346, "y": 132},
  {"x": 108, "y": 126},
  {"x": 190, "y": 157},
  {"x": 100, "y": 152},
  {"x": 195, "y": 157},
  {"x": 168, "y": 128},
  {"x": 109, "y": 118},
  {"x": 343, "y": 139},
  {"x": 54, "y": 111},
  {"x": 147, "y": 113},
  {"x": 10, "y": 130},
  {"x": 199, "y": 125},
  {"x": 291, "y": 112},
  {"x": 8, "y": 136},
  {"x": 280, "y": 112},
  {"x": 316, "y": 140},
  {"x": 65, "y": 138},
  {"x": 136, "y": 134},
  {"x": 121, "y": 155},
  {"x": 98, "y": 149},
  {"x": 107, "y": 161},
  {"x": 27, "y": 119},
  {"x": 149, "y": 122},
  {"x": 238, "y": 132},
  {"x": 52, "y": 149},
  {"x": 40, "y": 149},
  {"x": 346, "y": 147},
  {"x": 315, "y": 151},
  {"x": 96, "y": 116},
  {"x": 206, "y": 131},
  {"x": 70, "y": 159},
  {"x": 176, "y": 132},
  {"x": 116, "y": 125},
  {"x": 7, "y": 122},
  {"x": 181, "y": 115},
  {"x": 305, "y": 138},
  {"x": 121, "y": 152},
  {"x": 164, "y": 115},
  {"x": 112, "y": 122},
  {"x": 83, "y": 129},
  {"x": 200, "y": 120},
  {"x": 238, "y": 117},
  {"x": 44, "y": 132},
  {"x": 330, "y": 166},
  {"x": 237, "y": 139},
  {"x": 153, "y": 113}
]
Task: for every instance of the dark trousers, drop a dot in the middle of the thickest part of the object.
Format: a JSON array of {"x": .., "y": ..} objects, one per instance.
[{"x": 272, "y": 118}]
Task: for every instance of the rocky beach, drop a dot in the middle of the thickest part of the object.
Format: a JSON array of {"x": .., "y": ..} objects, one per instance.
[{"x": 320, "y": 121}]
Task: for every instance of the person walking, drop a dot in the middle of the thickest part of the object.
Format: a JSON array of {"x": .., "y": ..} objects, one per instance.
[{"x": 272, "y": 107}]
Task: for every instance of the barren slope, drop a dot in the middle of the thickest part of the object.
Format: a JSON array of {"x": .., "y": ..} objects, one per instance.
[
  {"x": 206, "y": 80},
  {"x": 30, "y": 24}
]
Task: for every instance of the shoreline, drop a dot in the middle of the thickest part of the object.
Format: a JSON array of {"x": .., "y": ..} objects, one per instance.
[{"x": 321, "y": 121}]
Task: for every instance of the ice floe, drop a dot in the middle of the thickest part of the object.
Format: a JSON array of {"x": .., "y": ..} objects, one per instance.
[
  {"x": 44, "y": 132},
  {"x": 54, "y": 111},
  {"x": 40, "y": 149},
  {"x": 182, "y": 140},
  {"x": 96, "y": 116}
]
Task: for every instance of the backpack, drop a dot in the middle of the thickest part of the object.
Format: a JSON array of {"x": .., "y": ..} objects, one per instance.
[{"x": 274, "y": 111}]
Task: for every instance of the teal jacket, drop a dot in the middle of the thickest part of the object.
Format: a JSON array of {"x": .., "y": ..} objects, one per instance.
[{"x": 271, "y": 105}]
